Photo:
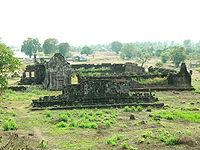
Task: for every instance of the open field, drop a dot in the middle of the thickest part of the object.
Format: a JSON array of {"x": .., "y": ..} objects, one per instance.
[{"x": 176, "y": 126}]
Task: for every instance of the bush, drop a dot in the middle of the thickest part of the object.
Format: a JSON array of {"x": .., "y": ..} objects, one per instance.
[
  {"x": 159, "y": 64},
  {"x": 126, "y": 109},
  {"x": 171, "y": 141},
  {"x": 133, "y": 108},
  {"x": 47, "y": 113},
  {"x": 61, "y": 124},
  {"x": 94, "y": 126},
  {"x": 9, "y": 125},
  {"x": 63, "y": 117},
  {"x": 139, "y": 108},
  {"x": 42, "y": 144},
  {"x": 124, "y": 126},
  {"x": 124, "y": 145},
  {"x": 141, "y": 140}
]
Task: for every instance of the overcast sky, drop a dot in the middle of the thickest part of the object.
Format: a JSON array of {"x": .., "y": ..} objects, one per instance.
[{"x": 99, "y": 21}]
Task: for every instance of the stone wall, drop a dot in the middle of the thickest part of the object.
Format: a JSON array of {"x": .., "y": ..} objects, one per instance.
[
  {"x": 160, "y": 70},
  {"x": 181, "y": 79},
  {"x": 96, "y": 92},
  {"x": 34, "y": 74},
  {"x": 118, "y": 68},
  {"x": 58, "y": 73},
  {"x": 132, "y": 67}
]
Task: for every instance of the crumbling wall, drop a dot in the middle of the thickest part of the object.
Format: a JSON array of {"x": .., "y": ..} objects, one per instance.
[
  {"x": 152, "y": 69},
  {"x": 181, "y": 79},
  {"x": 34, "y": 74},
  {"x": 58, "y": 73},
  {"x": 118, "y": 68},
  {"x": 132, "y": 67}
]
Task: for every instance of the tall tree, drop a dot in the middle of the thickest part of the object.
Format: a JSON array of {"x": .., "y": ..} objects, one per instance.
[
  {"x": 63, "y": 48},
  {"x": 178, "y": 55},
  {"x": 143, "y": 56},
  {"x": 8, "y": 64},
  {"x": 86, "y": 50},
  {"x": 128, "y": 51},
  {"x": 50, "y": 46},
  {"x": 116, "y": 46},
  {"x": 31, "y": 46}
]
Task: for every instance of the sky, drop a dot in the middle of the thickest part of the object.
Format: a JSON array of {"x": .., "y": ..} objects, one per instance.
[{"x": 81, "y": 22}]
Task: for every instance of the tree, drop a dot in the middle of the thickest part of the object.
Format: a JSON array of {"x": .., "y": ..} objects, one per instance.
[
  {"x": 178, "y": 55},
  {"x": 50, "y": 46},
  {"x": 86, "y": 50},
  {"x": 144, "y": 56},
  {"x": 31, "y": 46},
  {"x": 165, "y": 57},
  {"x": 128, "y": 51},
  {"x": 116, "y": 46},
  {"x": 63, "y": 48},
  {"x": 8, "y": 64}
]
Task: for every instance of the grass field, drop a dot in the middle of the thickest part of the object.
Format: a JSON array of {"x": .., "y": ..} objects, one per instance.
[{"x": 176, "y": 126}]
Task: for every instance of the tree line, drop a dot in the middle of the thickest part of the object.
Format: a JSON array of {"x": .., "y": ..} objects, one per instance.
[
  {"x": 166, "y": 51},
  {"x": 141, "y": 51},
  {"x": 32, "y": 46}
]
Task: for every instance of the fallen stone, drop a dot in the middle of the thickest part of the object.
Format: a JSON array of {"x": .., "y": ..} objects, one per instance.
[{"x": 132, "y": 117}]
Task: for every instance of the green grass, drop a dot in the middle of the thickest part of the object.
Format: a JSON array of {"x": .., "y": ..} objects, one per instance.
[
  {"x": 9, "y": 124},
  {"x": 177, "y": 114}
]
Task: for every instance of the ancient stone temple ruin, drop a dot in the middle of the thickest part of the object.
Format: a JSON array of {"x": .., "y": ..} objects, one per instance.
[
  {"x": 34, "y": 74},
  {"x": 54, "y": 75},
  {"x": 181, "y": 79},
  {"x": 58, "y": 73},
  {"x": 97, "y": 93}
]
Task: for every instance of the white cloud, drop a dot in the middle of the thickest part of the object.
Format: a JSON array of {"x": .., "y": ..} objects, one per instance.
[{"x": 99, "y": 21}]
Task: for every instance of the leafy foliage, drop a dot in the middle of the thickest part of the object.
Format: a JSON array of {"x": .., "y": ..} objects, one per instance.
[
  {"x": 128, "y": 51},
  {"x": 8, "y": 64},
  {"x": 86, "y": 50},
  {"x": 116, "y": 46},
  {"x": 31, "y": 47},
  {"x": 178, "y": 55},
  {"x": 143, "y": 56},
  {"x": 50, "y": 46},
  {"x": 63, "y": 48}
]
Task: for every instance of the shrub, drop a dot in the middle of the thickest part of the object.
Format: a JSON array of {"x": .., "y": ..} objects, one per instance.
[
  {"x": 159, "y": 64},
  {"x": 108, "y": 123},
  {"x": 147, "y": 134},
  {"x": 14, "y": 114},
  {"x": 111, "y": 142},
  {"x": 148, "y": 141},
  {"x": 94, "y": 126},
  {"x": 124, "y": 126},
  {"x": 124, "y": 145},
  {"x": 48, "y": 113},
  {"x": 133, "y": 108},
  {"x": 61, "y": 124},
  {"x": 171, "y": 141},
  {"x": 42, "y": 144},
  {"x": 139, "y": 108},
  {"x": 126, "y": 109},
  {"x": 9, "y": 125},
  {"x": 141, "y": 140},
  {"x": 72, "y": 124},
  {"x": 63, "y": 117}
]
